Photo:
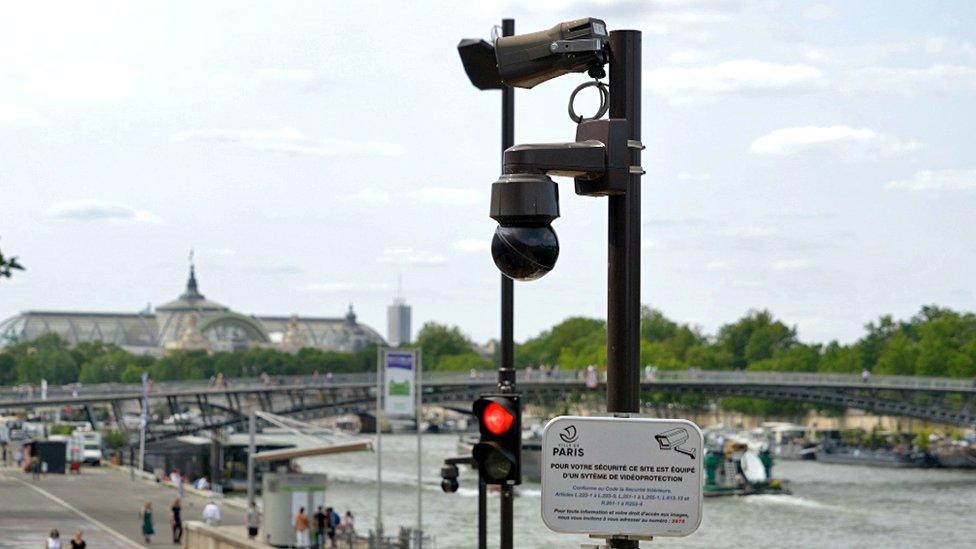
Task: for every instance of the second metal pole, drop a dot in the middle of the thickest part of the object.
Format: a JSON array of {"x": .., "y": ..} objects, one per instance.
[
  {"x": 506, "y": 374},
  {"x": 624, "y": 242}
]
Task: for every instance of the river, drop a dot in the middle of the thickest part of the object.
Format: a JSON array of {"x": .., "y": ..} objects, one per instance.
[{"x": 831, "y": 505}]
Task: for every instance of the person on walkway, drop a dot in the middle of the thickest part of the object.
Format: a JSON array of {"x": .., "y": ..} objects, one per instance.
[
  {"x": 54, "y": 539},
  {"x": 348, "y": 525},
  {"x": 78, "y": 542},
  {"x": 35, "y": 466},
  {"x": 320, "y": 524},
  {"x": 211, "y": 513},
  {"x": 147, "y": 522},
  {"x": 252, "y": 520},
  {"x": 301, "y": 529},
  {"x": 177, "y": 521},
  {"x": 332, "y": 525}
]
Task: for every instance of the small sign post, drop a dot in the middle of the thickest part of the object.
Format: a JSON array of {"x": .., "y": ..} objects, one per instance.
[{"x": 630, "y": 477}]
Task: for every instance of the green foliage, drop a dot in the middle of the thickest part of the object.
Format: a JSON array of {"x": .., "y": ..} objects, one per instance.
[
  {"x": 115, "y": 439},
  {"x": 8, "y": 265},
  {"x": 446, "y": 348},
  {"x": 62, "y": 429}
]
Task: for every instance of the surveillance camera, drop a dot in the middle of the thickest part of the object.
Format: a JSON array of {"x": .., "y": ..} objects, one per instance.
[
  {"x": 449, "y": 475},
  {"x": 526, "y": 60},
  {"x": 524, "y": 204},
  {"x": 525, "y": 200}
]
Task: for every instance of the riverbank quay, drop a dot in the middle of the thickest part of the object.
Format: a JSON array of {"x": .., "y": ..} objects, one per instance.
[{"x": 103, "y": 502}]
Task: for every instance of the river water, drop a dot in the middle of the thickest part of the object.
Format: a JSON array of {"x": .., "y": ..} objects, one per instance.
[{"x": 831, "y": 505}]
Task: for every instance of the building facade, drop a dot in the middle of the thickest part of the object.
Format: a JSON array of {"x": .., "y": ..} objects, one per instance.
[
  {"x": 398, "y": 322},
  {"x": 192, "y": 322}
]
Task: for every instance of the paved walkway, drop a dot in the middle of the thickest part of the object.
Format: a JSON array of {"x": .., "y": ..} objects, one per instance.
[{"x": 102, "y": 502}]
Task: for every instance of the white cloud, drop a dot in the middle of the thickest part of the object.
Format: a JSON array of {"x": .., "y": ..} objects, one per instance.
[
  {"x": 410, "y": 256},
  {"x": 16, "y": 115},
  {"x": 343, "y": 287},
  {"x": 910, "y": 82},
  {"x": 98, "y": 81},
  {"x": 938, "y": 180},
  {"x": 370, "y": 196},
  {"x": 719, "y": 265},
  {"x": 821, "y": 12},
  {"x": 697, "y": 177},
  {"x": 682, "y": 85},
  {"x": 448, "y": 195},
  {"x": 685, "y": 57},
  {"x": 279, "y": 74},
  {"x": 472, "y": 244},
  {"x": 290, "y": 141},
  {"x": 845, "y": 141},
  {"x": 99, "y": 210},
  {"x": 789, "y": 265}
]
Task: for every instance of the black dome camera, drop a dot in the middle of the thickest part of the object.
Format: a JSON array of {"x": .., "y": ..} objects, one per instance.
[
  {"x": 449, "y": 475},
  {"x": 525, "y": 200},
  {"x": 524, "y": 246}
]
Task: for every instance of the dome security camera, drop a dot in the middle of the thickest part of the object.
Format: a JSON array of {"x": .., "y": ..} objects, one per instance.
[{"x": 525, "y": 200}]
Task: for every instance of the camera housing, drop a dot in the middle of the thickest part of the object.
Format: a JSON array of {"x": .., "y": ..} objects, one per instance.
[
  {"x": 527, "y": 60},
  {"x": 525, "y": 200},
  {"x": 449, "y": 478}
]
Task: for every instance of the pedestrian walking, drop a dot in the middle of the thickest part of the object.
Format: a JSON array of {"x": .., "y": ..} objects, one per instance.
[
  {"x": 301, "y": 529},
  {"x": 320, "y": 524},
  {"x": 147, "y": 521},
  {"x": 35, "y": 467},
  {"x": 78, "y": 542},
  {"x": 252, "y": 520},
  {"x": 54, "y": 539},
  {"x": 348, "y": 525},
  {"x": 332, "y": 525},
  {"x": 211, "y": 513},
  {"x": 176, "y": 522}
]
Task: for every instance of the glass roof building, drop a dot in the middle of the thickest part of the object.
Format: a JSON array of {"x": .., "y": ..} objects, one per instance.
[{"x": 192, "y": 322}]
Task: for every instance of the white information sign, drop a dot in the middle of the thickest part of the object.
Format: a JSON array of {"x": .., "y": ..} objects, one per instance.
[
  {"x": 399, "y": 386},
  {"x": 627, "y": 476}
]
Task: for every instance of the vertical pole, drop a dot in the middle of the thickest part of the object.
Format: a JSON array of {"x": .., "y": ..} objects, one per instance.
[
  {"x": 623, "y": 235},
  {"x": 251, "y": 448},
  {"x": 482, "y": 515},
  {"x": 506, "y": 374},
  {"x": 379, "y": 447},
  {"x": 508, "y": 290},
  {"x": 420, "y": 485}
]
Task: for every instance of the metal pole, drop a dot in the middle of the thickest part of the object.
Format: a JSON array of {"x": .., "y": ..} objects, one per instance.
[
  {"x": 251, "y": 448},
  {"x": 506, "y": 374},
  {"x": 508, "y": 291},
  {"x": 623, "y": 236},
  {"x": 482, "y": 515},
  {"x": 379, "y": 447},
  {"x": 420, "y": 485}
]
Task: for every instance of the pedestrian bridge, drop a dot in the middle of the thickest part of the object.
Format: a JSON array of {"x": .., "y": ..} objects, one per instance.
[{"x": 944, "y": 400}]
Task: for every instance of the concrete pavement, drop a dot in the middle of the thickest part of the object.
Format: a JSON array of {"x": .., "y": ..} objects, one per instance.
[{"x": 103, "y": 502}]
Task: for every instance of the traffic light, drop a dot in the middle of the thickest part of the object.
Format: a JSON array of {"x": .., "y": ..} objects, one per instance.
[{"x": 499, "y": 452}]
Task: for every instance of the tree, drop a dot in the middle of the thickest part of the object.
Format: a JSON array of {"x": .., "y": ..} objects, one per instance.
[
  {"x": 8, "y": 265},
  {"x": 438, "y": 341},
  {"x": 756, "y": 336}
]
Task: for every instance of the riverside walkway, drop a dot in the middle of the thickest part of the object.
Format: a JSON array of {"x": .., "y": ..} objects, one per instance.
[{"x": 103, "y": 502}]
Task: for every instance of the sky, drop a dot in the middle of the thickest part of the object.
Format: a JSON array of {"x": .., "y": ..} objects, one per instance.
[{"x": 813, "y": 158}]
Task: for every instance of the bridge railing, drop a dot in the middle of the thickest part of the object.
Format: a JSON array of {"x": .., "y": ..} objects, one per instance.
[{"x": 487, "y": 378}]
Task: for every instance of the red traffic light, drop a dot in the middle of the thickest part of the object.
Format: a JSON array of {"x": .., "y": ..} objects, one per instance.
[{"x": 497, "y": 419}]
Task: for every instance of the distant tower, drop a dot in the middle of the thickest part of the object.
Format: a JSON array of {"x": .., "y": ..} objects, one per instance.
[{"x": 398, "y": 319}]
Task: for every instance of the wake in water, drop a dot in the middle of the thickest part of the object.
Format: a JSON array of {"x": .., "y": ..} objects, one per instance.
[{"x": 795, "y": 501}]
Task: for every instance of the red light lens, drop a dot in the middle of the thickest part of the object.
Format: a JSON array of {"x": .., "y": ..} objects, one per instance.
[{"x": 497, "y": 419}]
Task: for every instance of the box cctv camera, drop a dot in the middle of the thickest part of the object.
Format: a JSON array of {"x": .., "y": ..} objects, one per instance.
[{"x": 673, "y": 439}]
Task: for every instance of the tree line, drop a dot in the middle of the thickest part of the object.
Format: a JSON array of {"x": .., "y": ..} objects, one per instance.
[{"x": 935, "y": 342}]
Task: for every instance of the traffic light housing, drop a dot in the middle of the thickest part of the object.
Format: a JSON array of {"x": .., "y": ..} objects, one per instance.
[{"x": 499, "y": 451}]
